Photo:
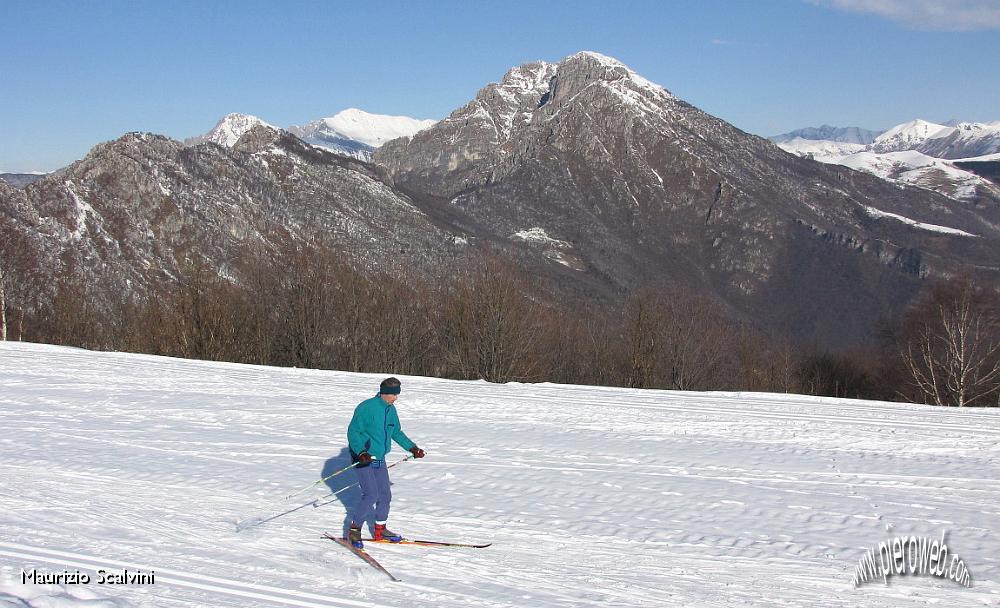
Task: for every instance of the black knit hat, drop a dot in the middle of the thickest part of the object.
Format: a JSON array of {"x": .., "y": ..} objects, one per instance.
[{"x": 389, "y": 386}]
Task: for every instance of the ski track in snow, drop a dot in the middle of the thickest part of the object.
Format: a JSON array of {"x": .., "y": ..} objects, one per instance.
[{"x": 591, "y": 496}]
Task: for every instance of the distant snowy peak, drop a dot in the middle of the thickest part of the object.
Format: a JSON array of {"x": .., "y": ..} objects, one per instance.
[
  {"x": 908, "y": 136},
  {"x": 229, "y": 130},
  {"x": 953, "y": 140},
  {"x": 352, "y": 132},
  {"x": 827, "y": 133},
  {"x": 918, "y": 152},
  {"x": 358, "y": 133},
  {"x": 820, "y": 149},
  {"x": 20, "y": 180},
  {"x": 906, "y": 167},
  {"x": 374, "y": 129},
  {"x": 966, "y": 139}
]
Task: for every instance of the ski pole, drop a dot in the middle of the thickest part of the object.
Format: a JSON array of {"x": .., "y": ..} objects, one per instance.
[
  {"x": 344, "y": 489},
  {"x": 316, "y": 483},
  {"x": 410, "y": 457}
]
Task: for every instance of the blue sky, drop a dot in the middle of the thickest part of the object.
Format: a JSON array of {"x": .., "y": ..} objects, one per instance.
[{"x": 73, "y": 74}]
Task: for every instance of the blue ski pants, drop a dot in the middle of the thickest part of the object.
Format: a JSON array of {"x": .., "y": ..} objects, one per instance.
[{"x": 375, "y": 493}]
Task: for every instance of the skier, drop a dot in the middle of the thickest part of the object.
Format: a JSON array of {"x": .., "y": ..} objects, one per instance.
[{"x": 375, "y": 422}]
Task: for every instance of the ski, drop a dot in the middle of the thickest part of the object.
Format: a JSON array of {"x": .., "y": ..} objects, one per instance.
[
  {"x": 362, "y": 554},
  {"x": 428, "y": 543}
]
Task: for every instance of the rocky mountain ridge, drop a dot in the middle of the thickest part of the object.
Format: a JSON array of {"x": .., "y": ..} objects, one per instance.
[
  {"x": 138, "y": 208},
  {"x": 641, "y": 187},
  {"x": 586, "y": 174}
]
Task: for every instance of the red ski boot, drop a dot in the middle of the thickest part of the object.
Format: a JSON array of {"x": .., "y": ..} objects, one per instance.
[{"x": 384, "y": 534}]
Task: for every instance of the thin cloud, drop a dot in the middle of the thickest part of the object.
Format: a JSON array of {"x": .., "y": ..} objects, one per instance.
[{"x": 950, "y": 15}]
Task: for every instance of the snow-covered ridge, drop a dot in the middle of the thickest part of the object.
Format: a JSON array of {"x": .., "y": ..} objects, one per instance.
[
  {"x": 873, "y": 212},
  {"x": 978, "y": 159},
  {"x": 352, "y": 132},
  {"x": 820, "y": 149},
  {"x": 357, "y": 125},
  {"x": 912, "y": 153},
  {"x": 908, "y": 136}
]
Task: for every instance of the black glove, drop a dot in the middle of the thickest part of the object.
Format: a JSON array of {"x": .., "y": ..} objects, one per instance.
[
  {"x": 417, "y": 452},
  {"x": 364, "y": 459}
]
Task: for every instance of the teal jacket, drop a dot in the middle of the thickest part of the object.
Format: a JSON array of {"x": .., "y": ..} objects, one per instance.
[{"x": 375, "y": 422}]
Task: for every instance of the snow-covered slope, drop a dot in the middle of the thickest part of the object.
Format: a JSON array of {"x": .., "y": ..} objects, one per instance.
[
  {"x": 919, "y": 170},
  {"x": 229, "y": 130},
  {"x": 351, "y": 132},
  {"x": 913, "y": 153},
  {"x": 590, "y": 496},
  {"x": 357, "y": 132},
  {"x": 908, "y": 136},
  {"x": 967, "y": 139},
  {"x": 372, "y": 129},
  {"x": 820, "y": 149},
  {"x": 952, "y": 141}
]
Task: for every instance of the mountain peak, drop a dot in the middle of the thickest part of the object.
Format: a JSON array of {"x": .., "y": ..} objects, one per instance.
[
  {"x": 599, "y": 57},
  {"x": 229, "y": 130},
  {"x": 592, "y": 66},
  {"x": 587, "y": 92},
  {"x": 908, "y": 136},
  {"x": 354, "y": 132},
  {"x": 374, "y": 129},
  {"x": 517, "y": 100},
  {"x": 829, "y": 133}
]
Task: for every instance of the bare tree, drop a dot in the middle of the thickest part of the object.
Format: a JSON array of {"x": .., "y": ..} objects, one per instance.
[
  {"x": 699, "y": 346},
  {"x": 675, "y": 339},
  {"x": 642, "y": 326},
  {"x": 951, "y": 348},
  {"x": 489, "y": 328},
  {"x": 765, "y": 364},
  {"x": 4, "y": 274},
  {"x": 19, "y": 278}
]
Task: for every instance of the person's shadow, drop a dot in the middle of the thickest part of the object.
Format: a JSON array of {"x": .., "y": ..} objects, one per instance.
[{"x": 341, "y": 486}]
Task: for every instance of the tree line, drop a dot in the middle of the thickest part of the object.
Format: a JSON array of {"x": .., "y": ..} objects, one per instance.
[{"x": 307, "y": 307}]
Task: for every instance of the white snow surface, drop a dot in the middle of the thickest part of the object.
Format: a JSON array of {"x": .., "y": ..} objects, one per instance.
[
  {"x": 539, "y": 235},
  {"x": 370, "y": 129},
  {"x": 918, "y": 169},
  {"x": 985, "y": 157},
  {"x": 906, "y": 166},
  {"x": 911, "y": 222},
  {"x": 591, "y": 496},
  {"x": 823, "y": 150},
  {"x": 909, "y": 135}
]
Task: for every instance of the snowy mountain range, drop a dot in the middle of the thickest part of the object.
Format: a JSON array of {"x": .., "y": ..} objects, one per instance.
[
  {"x": 582, "y": 172},
  {"x": 357, "y": 133},
  {"x": 918, "y": 152},
  {"x": 352, "y": 132},
  {"x": 20, "y": 180},
  {"x": 848, "y": 135}
]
